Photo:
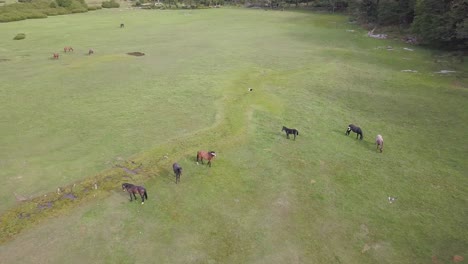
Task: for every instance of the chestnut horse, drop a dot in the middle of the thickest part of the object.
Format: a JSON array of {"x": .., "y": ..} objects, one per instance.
[
  {"x": 177, "y": 171},
  {"x": 56, "y": 56},
  {"x": 379, "y": 142},
  {"x": 67, "y": 49},
  {"x": 132, "y": 189},
  {"x": 208, "y": 155}
]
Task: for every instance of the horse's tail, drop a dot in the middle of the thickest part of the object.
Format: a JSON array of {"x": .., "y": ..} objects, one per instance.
[
  {"x": 198, "y": 154},
  {"x": 146, "y": 195},
  {"x": 297, "y": 132}
]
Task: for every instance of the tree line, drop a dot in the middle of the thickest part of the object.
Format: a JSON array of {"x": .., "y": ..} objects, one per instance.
[{"x": 437, "y": 23}]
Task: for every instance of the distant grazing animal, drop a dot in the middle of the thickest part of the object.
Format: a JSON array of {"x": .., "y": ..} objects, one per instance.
[
  {"x": 355, "y": 129},
  {"x": 290, "y": 131},
  {"x": 133, "y": 189},
  {"x": 122, "y": 25},
  {"x": 379, "y": 142},
  {"x": 90, "y": 52},
  {"x": 177, "y": 171},
  {"x": 67, "y": 49},
  {"x": 56, "y": 56},
  {"x": 208, "y": 155}
]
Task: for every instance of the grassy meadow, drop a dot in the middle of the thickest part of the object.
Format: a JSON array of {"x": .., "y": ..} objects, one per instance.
[{"x": 319, "y": 199}]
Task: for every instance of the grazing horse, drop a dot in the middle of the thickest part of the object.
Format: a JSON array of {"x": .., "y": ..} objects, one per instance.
[
  {"x": 67, "y": 49},
  {"x": 122, "y": 25},
  {"x": 177, "y": 171},
  {"x": 133, "y": 189},
  {"x": 90, "y": 52},
  {"x": 379, "y": 142},
  {"x": 56, "y": 56},
  {"x": 290, "y": 131},
  {"x": 355, "y": 129},
  {"x": 208, "y": 155}
]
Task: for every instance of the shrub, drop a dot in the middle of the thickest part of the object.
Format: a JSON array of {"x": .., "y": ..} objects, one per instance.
[
  {"x": 110, "y": 4},
  {"x": 20, "y": 36}
]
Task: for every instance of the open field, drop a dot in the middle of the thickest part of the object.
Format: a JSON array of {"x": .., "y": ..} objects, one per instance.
[{"x": 266, "y": 199}]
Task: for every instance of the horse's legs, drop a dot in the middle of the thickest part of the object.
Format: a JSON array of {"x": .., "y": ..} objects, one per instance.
[
  {"x": 294, "y": 136},
  {"x": 134, "y": 196},
  {"x": 131, "y": 198},
  {"x": 209, "y": 163}
]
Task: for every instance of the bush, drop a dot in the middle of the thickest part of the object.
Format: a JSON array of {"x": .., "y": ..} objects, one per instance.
[
  {"x": 110, "y": 4},
  {"x": 20, "y": 36}
]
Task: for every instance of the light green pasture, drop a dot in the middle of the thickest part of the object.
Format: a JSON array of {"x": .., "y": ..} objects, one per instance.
[{"x": 319, "y": 199}]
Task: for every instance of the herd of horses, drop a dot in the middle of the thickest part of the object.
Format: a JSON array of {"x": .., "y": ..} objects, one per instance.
[
  {"x": 209, "y": 155},
  {"x": 66, "y": 49}
]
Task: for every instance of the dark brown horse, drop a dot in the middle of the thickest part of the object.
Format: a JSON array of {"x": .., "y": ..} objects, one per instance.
[
  {"x": 122, "y": 25},
  {"x": 208, "y": 155},
  {"x": 56, "y": 56},
  {"x": 67, "y": 49},
  {"x": 290, "y": 131},
  {"x": 177, "y": 171},
  {"x": 355, "y": 129},
  {"x": 90, "y": 52},
  {"x": 133, "y": 189}
]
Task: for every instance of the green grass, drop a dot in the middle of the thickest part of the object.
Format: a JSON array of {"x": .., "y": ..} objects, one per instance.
[{"x": 319, "y": 199}]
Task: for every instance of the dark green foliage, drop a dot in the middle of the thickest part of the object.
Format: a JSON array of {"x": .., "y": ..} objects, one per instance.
[
  {"x": 20, "y": 36},
  {"x": 110, "y": 4},
  {"x": 40, "y": 9},
  {"x": 442, "y": 23}
]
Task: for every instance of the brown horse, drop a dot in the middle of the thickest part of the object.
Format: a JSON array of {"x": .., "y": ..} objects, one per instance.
[
  {"x": 67, "y": 49},
  {"x": 133, "y": 189},
  {"x": 55, "y": 56},
  {"x": 90, "y": 52},
  {"x": 379, "y": 143},
  {"x": 208, "y": 155}
]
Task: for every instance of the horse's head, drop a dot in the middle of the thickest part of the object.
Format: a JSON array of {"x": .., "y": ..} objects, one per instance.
[
  {"x": 283, "y": 129},
  {"x": 348, "y": 130},
  {"x": 212, "y": 153},
  {"x": 125, "y": 186}
]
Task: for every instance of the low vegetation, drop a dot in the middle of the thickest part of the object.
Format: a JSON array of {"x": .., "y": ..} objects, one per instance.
[{"x": 20, "y": 36}]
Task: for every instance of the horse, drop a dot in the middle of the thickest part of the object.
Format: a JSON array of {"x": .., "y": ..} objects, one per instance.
[
  {"x": 122, "y": 25},
  {"x": 208, "y": 155},
  {"x": 67, "y": 49},
  {"x": 379, "y": 142},
  {"x": 90, "y": 52},
  {"x": 177, "y": 171},
  {"x": 133, "y": 189},
  {"x": 55, "y": 56},
  {"x": 355, "y": 129},
  {"x": 290, "y": 131}
]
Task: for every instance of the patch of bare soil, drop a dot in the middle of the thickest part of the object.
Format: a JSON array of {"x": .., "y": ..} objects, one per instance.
[
  {"x": 136, "y": 53},
  {"x": 457, "y": 258}
]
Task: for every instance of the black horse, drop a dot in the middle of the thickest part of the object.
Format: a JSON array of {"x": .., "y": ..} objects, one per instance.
[
  {"x": 177, "y": 171},
  {"x": 132, "y": 189},
  {"x": 122, "y": 25},
  {"x": 290, "y": 131},
  {"x": 355, "y": 129}
]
